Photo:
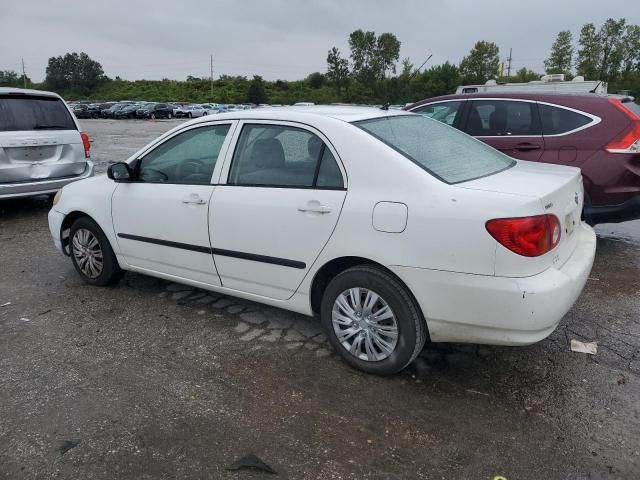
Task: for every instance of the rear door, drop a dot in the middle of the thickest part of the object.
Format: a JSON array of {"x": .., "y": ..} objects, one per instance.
[
  {"x": 278, "y": 208},
  {"x": 509, "y": 125},
  {"x": 39, "y": 139}
]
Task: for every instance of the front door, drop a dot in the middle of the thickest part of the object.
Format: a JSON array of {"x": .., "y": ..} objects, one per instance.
[
  {"x": 280, "y": 204},
  {"x": 161, "y": 217},
  {"x": 511, "y": 126}
]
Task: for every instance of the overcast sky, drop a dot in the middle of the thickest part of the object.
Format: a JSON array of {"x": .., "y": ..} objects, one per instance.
[{"x": 285, "y": 39}]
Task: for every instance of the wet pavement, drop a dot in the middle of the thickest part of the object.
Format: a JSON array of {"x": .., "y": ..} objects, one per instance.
[{"x": 149, "y": 379}]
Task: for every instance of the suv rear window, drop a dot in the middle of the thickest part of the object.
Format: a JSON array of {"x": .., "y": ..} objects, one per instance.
[
  {"x": 443, "y": 151},
  {"x": 25, "y": 112}
]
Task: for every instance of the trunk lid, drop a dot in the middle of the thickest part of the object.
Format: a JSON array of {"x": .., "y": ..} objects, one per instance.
[{"x": 551, "y": 189}]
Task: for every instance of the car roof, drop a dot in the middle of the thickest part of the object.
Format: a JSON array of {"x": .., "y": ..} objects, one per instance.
[
  {"x": 306, "y": 113},
  {"x": 540, "y": 96},
  {"x": 27, "y": 91}
]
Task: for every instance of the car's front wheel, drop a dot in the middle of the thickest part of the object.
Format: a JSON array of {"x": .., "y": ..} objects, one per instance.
[
  {"x": 372, "y": 321},
  {"x": 169, "y": 116},
  {"x": 92, "y": 255}
]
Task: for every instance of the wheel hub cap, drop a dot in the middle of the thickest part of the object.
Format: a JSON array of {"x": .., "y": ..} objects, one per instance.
[
  {"x": 87, "y": 253},
  {"x": 364, "y": 324}
]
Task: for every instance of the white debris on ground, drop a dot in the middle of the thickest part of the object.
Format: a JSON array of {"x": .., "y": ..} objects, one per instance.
[{"x": 584, "y": 347}]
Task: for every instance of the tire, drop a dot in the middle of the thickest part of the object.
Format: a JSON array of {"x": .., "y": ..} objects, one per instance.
[
  {"x": 189, "y": 115},
  {"x": 110, "y": 272},
  {"x": 411, "y": 329},
  {"x": 153, "y": 116},
  {"x": 169, "y": 116}
]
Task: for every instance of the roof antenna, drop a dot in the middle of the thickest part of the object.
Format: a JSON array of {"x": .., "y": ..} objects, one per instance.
[
  {"x": 385, "y": 107},
  {"x": 596, "y": 87}
]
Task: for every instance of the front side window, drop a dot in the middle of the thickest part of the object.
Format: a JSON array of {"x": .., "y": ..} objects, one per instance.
[
  {"x": 445, "y": 152},
  {"x": 25, "y": 112},
  {"x": 497, "y": 118},
  {"x": 444, "y": 112},
  {"x": 188, "y": 158},
  {"x": 557, "y": 120},
  {"x": 283, "y": 156}
]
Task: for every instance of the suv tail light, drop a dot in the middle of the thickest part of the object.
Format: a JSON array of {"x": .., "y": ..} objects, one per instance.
[
  {"x": 86, "y": 143},
  {"x": 526, "y": 236},
  {"x": 629, "y": 140}
]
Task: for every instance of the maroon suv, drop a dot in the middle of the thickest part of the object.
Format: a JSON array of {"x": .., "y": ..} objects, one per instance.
[{"x": 599, "y": 134}]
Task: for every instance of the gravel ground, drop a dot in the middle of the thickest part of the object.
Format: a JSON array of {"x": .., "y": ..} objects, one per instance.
[{"x": 153, "y": 380}]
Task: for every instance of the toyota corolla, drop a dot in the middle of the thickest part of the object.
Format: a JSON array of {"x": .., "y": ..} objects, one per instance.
[{"x": 392, "y": 228}]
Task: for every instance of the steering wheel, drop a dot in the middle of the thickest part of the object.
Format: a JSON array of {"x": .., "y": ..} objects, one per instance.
[
  {"x": 148, "y": 174},
  {"x": 189, "y": 168}
]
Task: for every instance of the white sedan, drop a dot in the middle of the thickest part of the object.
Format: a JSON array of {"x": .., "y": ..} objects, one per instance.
[{"x": 393, "y": 228}]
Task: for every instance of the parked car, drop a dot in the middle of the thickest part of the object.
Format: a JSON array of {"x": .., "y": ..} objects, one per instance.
[
  {"x": 440, "y": 237},
  {"x": 128, "y": 111},
  {"x": 96, "y": 109},
  {"x": 111, "y": 111},
  {"x": 597, "y": 133},
  {"x": 41, "y": 145},
  {"x": 155, "y": 110},
  {"x": 81, "y": 110},
  {"x": 189, "y": 111}
]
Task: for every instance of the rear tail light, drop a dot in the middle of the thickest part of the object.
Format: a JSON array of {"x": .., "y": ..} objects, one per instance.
[
  {"x": 629, "y": 140},
  {"x": 86, "y": 143},
  {"x": 526, "y": 236}
]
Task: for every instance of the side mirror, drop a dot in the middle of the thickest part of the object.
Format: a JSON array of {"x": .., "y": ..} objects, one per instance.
[{"x": 119, "y": 172}]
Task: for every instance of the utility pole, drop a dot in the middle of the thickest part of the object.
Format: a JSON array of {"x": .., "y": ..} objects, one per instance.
[
  {"x": 211, "y": 77},
  {"x": 509, "y": 64},
  {"x": 24, "y": 75}
]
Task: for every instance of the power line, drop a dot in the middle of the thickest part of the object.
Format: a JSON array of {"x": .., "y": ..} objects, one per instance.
[
  {"x": 509, "y": 59},
  {"x": 211, "y": 76},
  {"x": 24, "y": 75}
]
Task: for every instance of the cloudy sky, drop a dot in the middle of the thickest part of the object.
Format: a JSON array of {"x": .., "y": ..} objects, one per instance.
[{"x": 278, "y": 38}]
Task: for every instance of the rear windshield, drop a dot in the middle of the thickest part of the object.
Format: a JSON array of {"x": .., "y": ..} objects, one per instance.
[
  {"x": 443, "y": 151},
  {"x": 25, "y": 112}
]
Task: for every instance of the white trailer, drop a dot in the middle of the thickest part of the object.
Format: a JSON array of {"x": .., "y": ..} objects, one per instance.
[{"x": 548, "y": 83}]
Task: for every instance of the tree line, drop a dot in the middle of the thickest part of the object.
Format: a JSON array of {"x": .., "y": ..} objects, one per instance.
[{"x": 370, "y": 72}]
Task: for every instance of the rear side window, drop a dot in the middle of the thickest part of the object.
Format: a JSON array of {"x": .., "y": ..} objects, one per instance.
[
  {"x": 22, "y": 112},
  {"x": 443, "y": 151},
  {"x": 283, "y": 156},
  {"x": 557, "y": 120},
  {"x": 497, "y": 118}
]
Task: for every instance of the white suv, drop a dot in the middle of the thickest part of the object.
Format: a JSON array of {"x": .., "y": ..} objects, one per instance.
[{"x": 41, "y": 146}]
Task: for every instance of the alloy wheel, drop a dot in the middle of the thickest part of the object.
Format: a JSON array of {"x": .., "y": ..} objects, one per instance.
[
  {"x": 87, "y": 253},
  {"x": 364, "y": 324}
]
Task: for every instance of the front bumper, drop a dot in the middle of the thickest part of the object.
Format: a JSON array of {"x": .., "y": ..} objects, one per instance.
[
  {"x": 500, "y": 310},
  {"x": 29, "y": 189},
  {"x": 55, "y": 227}
]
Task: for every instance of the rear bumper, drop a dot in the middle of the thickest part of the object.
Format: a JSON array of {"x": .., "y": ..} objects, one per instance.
[
  {"x": 629, "y": 210},
  {"x": 29, "y": 189},
  {"x": 500, "y": 310}
]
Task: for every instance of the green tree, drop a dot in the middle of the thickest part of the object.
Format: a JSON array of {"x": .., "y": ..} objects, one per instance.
[
  {"x": 589, "y": 53},
  {"x": 257, "y": 93},
  {"x": 364, "y": 56},
  {"x": 315, "y": 80},
  {"x": 387, "y": 53},
  {"x": 525, "y": 75},
  {"x": 561, "y": 56},
  {"x": 75, "y": 72},
  {"x": 611, "y": 38},
  {"x": 337, "y": 69},
  {"x": 631, "y": 49},
  {"x": 481, "y": 64}
]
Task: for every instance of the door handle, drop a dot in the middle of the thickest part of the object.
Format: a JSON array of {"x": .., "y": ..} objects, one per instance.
[
  {"x": 313, "y": 208},
  {"x": 195, "y": 199},
  {"x": 526, "y": 147}
]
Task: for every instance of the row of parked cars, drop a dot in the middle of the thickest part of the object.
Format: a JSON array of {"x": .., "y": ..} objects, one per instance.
[{"x": 131, "y": 109}]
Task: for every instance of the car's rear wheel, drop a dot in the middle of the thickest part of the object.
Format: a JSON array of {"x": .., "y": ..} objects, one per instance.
[
  {"x": 169, "y": 116},
  {"x": 153, "y": 116},
  {"x": 372, "y": 321},
  {"x": 92, "y": 255},
  {"x": 189, "y": 115}
]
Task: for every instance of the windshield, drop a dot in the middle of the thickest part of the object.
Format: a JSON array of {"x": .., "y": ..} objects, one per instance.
[
  {"x": 443, "y": 151},
  {"x": 24, "y": 112}
]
